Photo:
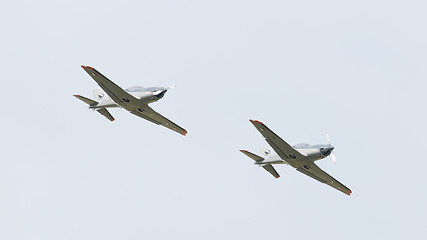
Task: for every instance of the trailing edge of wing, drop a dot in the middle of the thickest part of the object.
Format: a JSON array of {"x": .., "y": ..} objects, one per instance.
[
  {"x": 271, "y": 170},
  {"x": 313, "y": 171},
  {"x": 106, "y": 114},
  {"x": 149, "y": 114}
]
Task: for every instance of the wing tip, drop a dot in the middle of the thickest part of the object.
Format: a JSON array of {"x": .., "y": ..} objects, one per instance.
[
  {"x": 184, "y": 133},
  {"x": 349, "y": 192},
  {"x": 278, "y": 176},
  {"x": 84, "y": 67},
  {"x": 75, "y": 95},
  {"x": 255, "y": 121},
  {"x": 242, "y": 150}
]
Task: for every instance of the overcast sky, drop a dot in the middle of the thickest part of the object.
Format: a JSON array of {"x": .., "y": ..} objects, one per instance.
[{"x": 355, "y": 69}]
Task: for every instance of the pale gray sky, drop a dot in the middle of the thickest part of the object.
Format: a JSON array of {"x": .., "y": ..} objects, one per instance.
[{"x": 354, "y": 69}]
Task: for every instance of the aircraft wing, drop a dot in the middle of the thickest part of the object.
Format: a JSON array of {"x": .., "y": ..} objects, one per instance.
[
  {"x": 283, "y": 149},
  {"x": 149, "y": 114},
  {"x": 312, "y": 170},
  {"x": 116, "y": 93}
]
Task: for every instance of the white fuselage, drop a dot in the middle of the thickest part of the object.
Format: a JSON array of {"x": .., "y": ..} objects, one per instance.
[
  {"x": 312, "y": 154},
  {"x": 145, "y": 96}
]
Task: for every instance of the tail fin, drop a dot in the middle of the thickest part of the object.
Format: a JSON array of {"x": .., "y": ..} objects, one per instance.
[
  {"x": 98, "y": 94},
  {"x": 268, "y": 167},
  {"x": 93, "y": 103},
  {"x": 264, "y": 151}
]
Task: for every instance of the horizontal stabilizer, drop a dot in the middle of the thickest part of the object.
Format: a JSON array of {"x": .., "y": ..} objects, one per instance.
[
  {"x": 253, "y": 156},
  {"x": 86, "y": 100},
  {"x": 106, "y": 114},
  {"x": 271, "y": 170}
]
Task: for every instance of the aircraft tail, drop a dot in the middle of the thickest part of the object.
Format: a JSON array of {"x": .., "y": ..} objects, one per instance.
[
  {"x": 268, "y": 167},
  {"x": 93, "y": 104},
  {"x": 88, "y": 101},
  {"x": 99, "y": 95},
  {"x": 271, "y": 170},
  {"x": 105, "y": 113},
  {"x": 255, "y": 157},
  {"x": 264, "y": 151}
]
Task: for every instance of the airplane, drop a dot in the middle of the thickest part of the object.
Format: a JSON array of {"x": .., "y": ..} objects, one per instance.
[
  {"x": 301, "y": 157},
  {"x": 134, "y": 99}
]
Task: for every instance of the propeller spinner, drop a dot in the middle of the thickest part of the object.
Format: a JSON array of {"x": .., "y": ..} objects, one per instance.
[{"x": 334, "y": 160}]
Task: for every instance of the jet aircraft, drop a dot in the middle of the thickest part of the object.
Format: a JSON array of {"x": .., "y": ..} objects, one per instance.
[
  {"x": 134, "y": 99},
  {"x": 301, "y": 157}
]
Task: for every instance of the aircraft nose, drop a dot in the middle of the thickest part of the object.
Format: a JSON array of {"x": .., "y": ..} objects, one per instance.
[
  {"x": 160, "y": 93},
  {"x": 329, "y": 150}
]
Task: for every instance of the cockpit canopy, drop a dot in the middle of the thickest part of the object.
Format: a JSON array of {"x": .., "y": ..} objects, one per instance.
[
  {"x": 135, "y": 89},
  {"x": 154, "y": 89},
  {"x": 303, "y": 145}
]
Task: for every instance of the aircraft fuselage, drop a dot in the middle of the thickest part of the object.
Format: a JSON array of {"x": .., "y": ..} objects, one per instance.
[
  {"x": 145, "y": 95},
  {"x": 313, "y": 153}
]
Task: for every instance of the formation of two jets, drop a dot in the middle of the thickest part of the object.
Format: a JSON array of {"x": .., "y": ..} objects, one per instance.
[{"x": 136, "y": 100}]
